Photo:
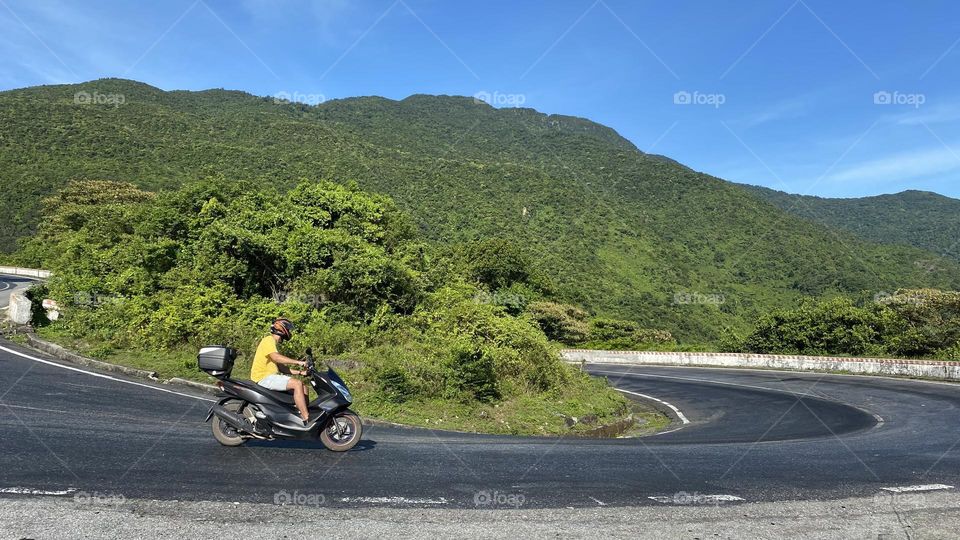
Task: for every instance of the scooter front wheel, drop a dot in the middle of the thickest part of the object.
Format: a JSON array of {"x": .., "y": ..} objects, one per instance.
[{"x": 342, "y": 432}]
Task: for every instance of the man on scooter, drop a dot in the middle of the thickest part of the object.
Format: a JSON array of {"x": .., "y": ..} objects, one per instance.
[{"x": 266, "y": 370}]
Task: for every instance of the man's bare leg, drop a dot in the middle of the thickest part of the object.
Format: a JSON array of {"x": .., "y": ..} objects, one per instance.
[{"x": 299, "y": 397}]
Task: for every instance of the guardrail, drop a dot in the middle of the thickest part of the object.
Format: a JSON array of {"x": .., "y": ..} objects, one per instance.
[
  {"x": 25, "y": 272},
  {"x": 929, "y": 369}
]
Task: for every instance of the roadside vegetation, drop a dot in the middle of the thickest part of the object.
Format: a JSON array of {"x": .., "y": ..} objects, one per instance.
[
  {"x": 620, "y": 233},
  {"x": 435, "y": 337},
  {"x": 922, "y": 323}
]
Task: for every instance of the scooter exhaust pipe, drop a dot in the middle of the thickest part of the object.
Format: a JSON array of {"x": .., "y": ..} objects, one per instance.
[{"x": 233, "y": 419}]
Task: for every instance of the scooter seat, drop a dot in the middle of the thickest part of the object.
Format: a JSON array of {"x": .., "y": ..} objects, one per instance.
[{"x": 284, "y": 397}]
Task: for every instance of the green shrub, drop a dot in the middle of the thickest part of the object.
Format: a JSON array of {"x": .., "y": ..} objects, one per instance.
[
  {"x": 208, "y": 264},
  {"x": 36, "y": 294},
  {"x": 473, "y": 372},
  {"x": 394, "y": 383},
  {"x": 929, "y": 321},
  {"x": 560, "y": 322},
  {"x": 911, "y": 323},
  {"x": 496, "y": 263},
  {"x": 614, "y": 334}
]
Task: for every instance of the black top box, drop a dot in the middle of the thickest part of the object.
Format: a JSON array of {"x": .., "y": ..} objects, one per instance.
[{"x": 216, "y": 360}]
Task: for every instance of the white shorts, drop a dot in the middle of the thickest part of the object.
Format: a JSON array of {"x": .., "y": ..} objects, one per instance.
[{"x": 274, "y": 382}]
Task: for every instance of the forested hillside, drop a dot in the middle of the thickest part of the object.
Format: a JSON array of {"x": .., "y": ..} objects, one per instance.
[
  {"x": 616, "y": 231},
  {"x": 914, "y": 218}
]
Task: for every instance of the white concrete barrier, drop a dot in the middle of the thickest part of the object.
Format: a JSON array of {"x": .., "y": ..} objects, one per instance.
[
  {"x": 26, "y": 272},
  {"x": 19, "y": 311},
  {"x": 931, "y": 369}
]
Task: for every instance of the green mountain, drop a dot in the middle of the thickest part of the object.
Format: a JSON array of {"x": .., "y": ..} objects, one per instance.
[
  {"x": 914, "y": 218},
  {"x": 620, "y": 232}
]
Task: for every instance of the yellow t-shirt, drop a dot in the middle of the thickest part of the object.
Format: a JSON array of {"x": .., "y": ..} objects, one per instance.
[{"x": 262, "y": 366}]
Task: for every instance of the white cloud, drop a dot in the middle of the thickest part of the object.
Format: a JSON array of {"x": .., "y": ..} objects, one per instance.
[
  {"x": 784, "y": 110},
  {"x": 327, "y": 14},
  {"x": 901, "y": 167},
  {"x": 935, "y": 115}
]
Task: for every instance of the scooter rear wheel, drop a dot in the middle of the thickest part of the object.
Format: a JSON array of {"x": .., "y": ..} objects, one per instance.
[
  {"x": 343, "y": 432},
  {"x": 223, "y": 432}
]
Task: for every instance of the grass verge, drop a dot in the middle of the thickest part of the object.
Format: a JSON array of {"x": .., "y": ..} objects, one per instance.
[{"x": 593, "y": 404}]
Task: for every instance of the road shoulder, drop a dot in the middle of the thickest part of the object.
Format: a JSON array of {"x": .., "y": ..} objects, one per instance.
[{"x": 884, "y": 516}]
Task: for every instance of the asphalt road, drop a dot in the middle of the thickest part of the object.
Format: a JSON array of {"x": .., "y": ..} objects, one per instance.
[
  {"x": 755, "y": 435},
  {"x": 9, "y": 284}
]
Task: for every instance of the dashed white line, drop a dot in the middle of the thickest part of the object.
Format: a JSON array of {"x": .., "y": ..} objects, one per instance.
[
  {"x": 679, "y": 414},
  {"x": 392, "y": 500},
  {"x": 921, "y": 487},
  {"x": 102, "y": 376},
  {"x": 41, "y": 409},
  {"x": 31, "y": 491},
  {"x": 694, "y": 499}
]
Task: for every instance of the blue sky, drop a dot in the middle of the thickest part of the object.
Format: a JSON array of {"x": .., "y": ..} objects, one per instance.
[{"x": 819, "y": 97}]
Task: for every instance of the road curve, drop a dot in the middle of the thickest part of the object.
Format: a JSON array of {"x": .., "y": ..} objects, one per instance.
[
  {"x": 10, "y": 284},
  {"x": 753, "y": 435}
]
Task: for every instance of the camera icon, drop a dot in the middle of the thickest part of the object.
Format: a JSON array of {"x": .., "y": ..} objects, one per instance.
[
  {"x": 282, "y": 497},
  {"x": 482, "y": 498},
  {"x": 482, "y": 97},
  {"x": 882, "y": 98},
  {"x": 682, "y": 98}
]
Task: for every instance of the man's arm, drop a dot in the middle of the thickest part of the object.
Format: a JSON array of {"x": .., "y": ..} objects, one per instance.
[{"x": 280, "y": 359}]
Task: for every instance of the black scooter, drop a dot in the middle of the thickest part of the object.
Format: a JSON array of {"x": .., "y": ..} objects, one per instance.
[{"x": 247, "y": 410}]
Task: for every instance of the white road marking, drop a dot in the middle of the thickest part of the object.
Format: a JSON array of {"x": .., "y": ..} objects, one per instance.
[
  {"x": 694, "y": 499},
  {"x": 392, "y": 500},
  {"x": 598, "y": 501},
  {"x": 768, "y": 371},
  {"x": 878, "y": 418},
  {"x": 102, "y": 376},
  {"x": 24, "y": 407},
  {"x": 672, "y": 407},
  {"x": 30, "y": 491},
  {"x": 694, "y": 379},
  {"x": 921, "y": 487},
  {"x": 665, "y": 432},
  {"x": 6, "y": 285}
]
